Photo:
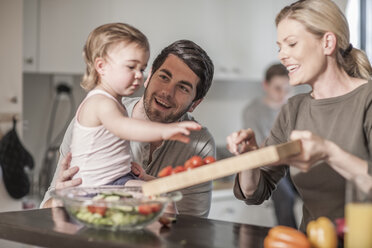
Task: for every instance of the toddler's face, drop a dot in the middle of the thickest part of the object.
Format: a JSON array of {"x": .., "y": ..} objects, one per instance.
[{"x": 123, "y": 68}]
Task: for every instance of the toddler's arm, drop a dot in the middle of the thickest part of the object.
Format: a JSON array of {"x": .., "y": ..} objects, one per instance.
[{"x": 112, "y": 118}]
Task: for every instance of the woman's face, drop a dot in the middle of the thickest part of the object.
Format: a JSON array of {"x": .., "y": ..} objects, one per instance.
[{"x": 300, "y": 52}]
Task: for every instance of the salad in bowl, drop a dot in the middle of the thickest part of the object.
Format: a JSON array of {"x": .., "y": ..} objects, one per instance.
[{"x": 113, "y": 207}]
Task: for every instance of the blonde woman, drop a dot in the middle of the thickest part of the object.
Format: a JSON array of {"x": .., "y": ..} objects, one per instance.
[{"x": 333, "y": 121}]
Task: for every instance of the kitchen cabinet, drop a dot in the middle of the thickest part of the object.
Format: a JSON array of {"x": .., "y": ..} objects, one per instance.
[
  {"x": 10, "y": 79},
  {"x": 227, "y": 208},
  {"x": 63, "y": 26},
  {"x": 30, "y": 35},
  {"x": 238, "y": 35},
  {"x": 11, "y": 62}
]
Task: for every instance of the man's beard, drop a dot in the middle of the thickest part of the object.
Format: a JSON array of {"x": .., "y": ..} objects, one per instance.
[{"x": 159, "y": 116}]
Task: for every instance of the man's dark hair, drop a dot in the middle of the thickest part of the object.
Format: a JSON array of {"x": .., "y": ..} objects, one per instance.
[
  {"x": 195, "y": 58},
  {"x": 275, "y": 70}
]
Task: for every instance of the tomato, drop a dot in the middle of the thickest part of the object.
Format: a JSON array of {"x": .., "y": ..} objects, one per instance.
[
  {"x": 166, "y": 171},
  {"x": 101, "y": 210},
  {"x": 97, "y": 210},
  {"x": 196, "y": 161},
  {"x": 209, "y": 159},
  {"x": 188, "y": 164},
  {"x": 91, "y": 209},
  {"x": 155, "y": 207},
  {"x": 178, "y": 169},
  {"x": 144, "y": 209}
]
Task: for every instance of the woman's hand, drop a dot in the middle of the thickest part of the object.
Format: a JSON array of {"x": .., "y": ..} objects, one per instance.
[
  {"x": 241, "y": 141},
  {"x": 314, "y": 149}
]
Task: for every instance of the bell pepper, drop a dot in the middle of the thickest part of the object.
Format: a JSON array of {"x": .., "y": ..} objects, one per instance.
[
  {"x": 322, "y": 233},
  {"x": 288, "y": 237}
]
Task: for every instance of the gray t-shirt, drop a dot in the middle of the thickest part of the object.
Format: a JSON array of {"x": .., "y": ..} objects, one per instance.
[
  {"x": 260, "y": 118},
  {"x": 196, "y": 199},
  {"x": 345, "y": 120}
]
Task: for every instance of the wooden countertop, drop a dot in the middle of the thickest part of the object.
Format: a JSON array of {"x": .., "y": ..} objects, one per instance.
[{"x": 51, "y": 228}]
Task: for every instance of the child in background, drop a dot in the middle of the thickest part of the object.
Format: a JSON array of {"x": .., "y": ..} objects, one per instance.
[{"x": 116, "y": 55}]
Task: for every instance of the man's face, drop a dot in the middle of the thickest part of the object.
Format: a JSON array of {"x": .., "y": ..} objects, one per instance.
[{"x": 170, "y": 92}]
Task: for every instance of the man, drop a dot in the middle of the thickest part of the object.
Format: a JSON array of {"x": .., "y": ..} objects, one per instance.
[
  {"x": 260, "y": 116},
  {"x": 181, "y": 76}
]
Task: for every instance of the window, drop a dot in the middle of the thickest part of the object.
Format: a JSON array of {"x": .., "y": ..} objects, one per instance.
[
  {"x": 359, "y": 16},
  {"x": 353, "y": 18},
  {"x": 368, "y": 29}
]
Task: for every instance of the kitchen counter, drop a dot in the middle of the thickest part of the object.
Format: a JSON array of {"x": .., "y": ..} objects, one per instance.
[{"x": 52, "y": 228}]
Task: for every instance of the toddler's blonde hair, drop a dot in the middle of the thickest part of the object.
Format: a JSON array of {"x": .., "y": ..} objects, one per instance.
[{"x": 99, "y": 42}]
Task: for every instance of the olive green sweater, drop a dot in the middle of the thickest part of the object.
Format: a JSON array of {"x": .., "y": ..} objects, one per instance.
[{"x": 347, "y": 121}]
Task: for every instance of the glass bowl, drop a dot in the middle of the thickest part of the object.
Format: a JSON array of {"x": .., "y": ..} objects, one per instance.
[{"x": 113, "y": 207}]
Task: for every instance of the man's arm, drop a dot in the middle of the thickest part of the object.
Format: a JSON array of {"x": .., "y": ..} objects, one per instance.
[
  {"x": 62, "y": 180},
  {"x": 64, "y": 173}
]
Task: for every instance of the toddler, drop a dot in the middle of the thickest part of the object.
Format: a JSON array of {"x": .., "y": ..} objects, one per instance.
[{"x": 116, "y": 56}]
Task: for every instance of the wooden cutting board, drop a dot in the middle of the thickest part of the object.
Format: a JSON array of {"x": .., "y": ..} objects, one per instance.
[{"x": 222, "y": 168}]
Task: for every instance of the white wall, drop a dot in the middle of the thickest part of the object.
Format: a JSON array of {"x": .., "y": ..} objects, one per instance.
[
  {"x": 40, "y": 94},
  {"x": 10, "y": 77},
  {"x": 221, "y": 109}
]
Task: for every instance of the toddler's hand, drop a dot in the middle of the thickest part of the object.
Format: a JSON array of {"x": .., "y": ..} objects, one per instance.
[
  {"x": 138, "y": 170},
  {"x": 179, "y": 131}
]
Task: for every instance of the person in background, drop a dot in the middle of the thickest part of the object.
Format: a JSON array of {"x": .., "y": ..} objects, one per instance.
[
  {"x": 333, "y": 121},
  {"x": 180, "y": 78},
  {"x": 116, "y": 56},
  {"x": 260, "y": 116}
]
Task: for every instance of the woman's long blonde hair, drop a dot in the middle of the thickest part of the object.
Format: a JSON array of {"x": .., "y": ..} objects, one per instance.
[
  {"x": 100, "y": 40},
  {"x": 321, "y": 16}
]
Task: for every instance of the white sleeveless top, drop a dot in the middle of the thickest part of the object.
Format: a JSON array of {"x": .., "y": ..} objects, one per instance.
[{"x": 101, "y": 156}]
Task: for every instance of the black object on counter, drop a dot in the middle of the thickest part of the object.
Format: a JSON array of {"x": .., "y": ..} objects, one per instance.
[{"x": 13, "y": 159}]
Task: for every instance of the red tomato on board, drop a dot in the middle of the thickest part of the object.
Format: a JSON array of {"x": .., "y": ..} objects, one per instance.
[
  {"x": 209, "y": 159},
  {"x": 196, "y": 161},
  {"x": 178, "y": 169},
  {"x": 166, "y": 171},
  {"x": 188, "y": 164}
]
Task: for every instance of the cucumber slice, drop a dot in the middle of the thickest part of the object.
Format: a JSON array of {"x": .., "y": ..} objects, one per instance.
[
  {"x": 125, "y": 208},
  {"x": 112, "y": 198}
]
